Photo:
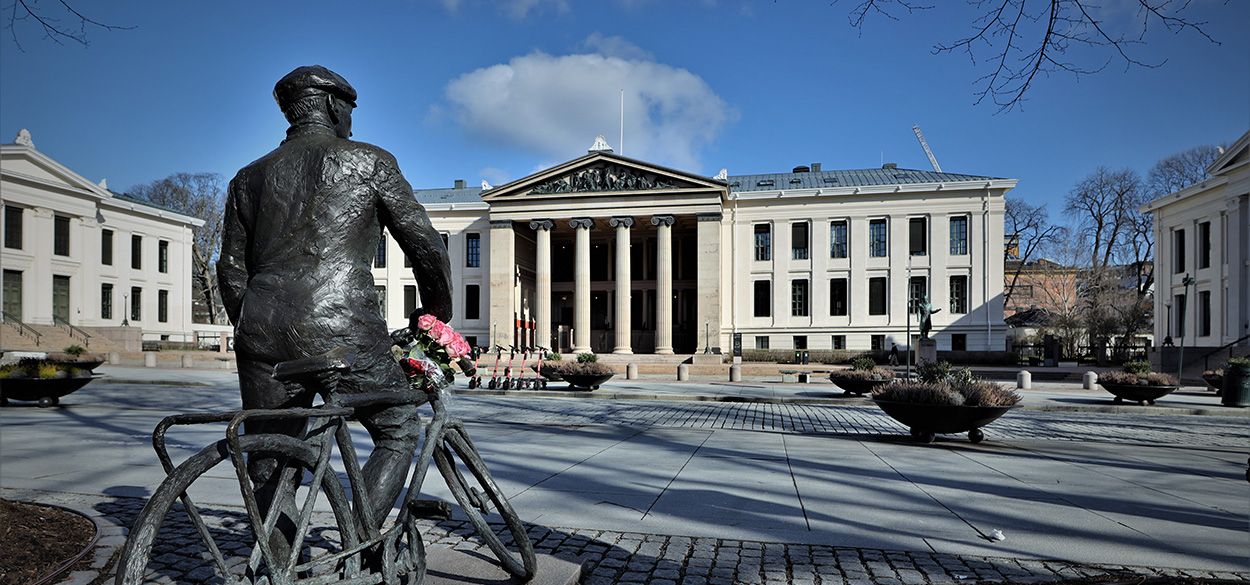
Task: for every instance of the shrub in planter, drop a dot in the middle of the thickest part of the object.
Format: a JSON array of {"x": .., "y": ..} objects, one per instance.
[
  {"x": 1142, "y": 387},
  {"x": 869, "y": 374},
  {"x": 863, "y": 363},
  {"x": 1140, "y": 379},
  {"x": 975, "y": 393},
  {"x": 1137, "y": 367}
]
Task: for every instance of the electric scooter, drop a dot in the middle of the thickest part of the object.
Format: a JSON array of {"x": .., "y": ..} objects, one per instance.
[
  {"x": 494, "y": 378},
  {"x": 476, "y": 380}
]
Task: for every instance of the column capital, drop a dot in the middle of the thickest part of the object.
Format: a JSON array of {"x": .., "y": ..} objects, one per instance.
[
  {"x": 713, "y": 216},
  {"x": 621, "y": 221},
  {"x": 542, "y": 224},
  {"x": 582, "y": 222},
  {"x": 500, "y": 224},
  {"x": 667, "y": 220}
]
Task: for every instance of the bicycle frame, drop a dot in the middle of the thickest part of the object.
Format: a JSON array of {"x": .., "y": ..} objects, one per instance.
[{"x": 325, "y": 428}]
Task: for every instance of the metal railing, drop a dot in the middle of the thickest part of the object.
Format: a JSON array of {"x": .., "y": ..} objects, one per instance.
[
  {"x": 74, "y": 332},
  {"x": 1206, "y": 359},
  {"x": 22, "y": 328}
]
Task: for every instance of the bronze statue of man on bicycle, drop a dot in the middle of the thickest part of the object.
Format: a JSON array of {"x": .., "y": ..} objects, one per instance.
[{"x": 302, "y": 226}]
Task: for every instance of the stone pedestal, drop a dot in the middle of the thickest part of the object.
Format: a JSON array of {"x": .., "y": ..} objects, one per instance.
[{"x": 926, "y": 351}]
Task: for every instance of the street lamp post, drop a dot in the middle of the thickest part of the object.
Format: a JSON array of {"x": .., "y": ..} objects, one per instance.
[
  {"x": 1180, "y": 366},
  {"x": 909, "y": 302},
  {"x": 707, "y": 336},
  {"x": 125, "y": 309}
]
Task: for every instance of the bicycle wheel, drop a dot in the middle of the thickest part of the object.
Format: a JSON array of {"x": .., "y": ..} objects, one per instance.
[
  {"x": 478, "y": 495},
  {"x": 227, "y": 536}
]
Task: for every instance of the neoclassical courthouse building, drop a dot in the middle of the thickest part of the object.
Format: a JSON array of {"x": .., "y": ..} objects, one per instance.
[
  {"x": 75, "y": 254},
  {"x": 603, "y": 253},
  {"x": 611, "y": 254}
]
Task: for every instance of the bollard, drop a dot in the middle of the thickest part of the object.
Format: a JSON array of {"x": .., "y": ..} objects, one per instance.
[
  {"x": 149, "y": 359},
  {"x": 1090, "y": 379},
  {"x": 683, "y": 372},
  {"x": 224, "y": 340},
  {"x": 115, "y": 358},
  {"x": 188, "y": 360},
  {"x": 735, "y": 373},
  {"x": 1024, "y": 380},
  {"x": 631, "y": 371}
]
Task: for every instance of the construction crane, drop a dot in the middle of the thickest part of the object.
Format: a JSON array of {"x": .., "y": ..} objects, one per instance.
[{"x": 927, "y": 152}]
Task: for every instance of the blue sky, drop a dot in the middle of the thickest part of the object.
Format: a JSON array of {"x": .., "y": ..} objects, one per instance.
[{"x": 495, "y": 90}]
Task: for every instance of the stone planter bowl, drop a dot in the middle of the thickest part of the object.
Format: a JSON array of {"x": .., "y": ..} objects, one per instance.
[
  {"x": 1138, "y": 393},
  {"x": 927, "y": 420}
]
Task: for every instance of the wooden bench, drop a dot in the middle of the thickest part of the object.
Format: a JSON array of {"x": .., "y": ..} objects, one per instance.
[{"x": 800, "y": 376}]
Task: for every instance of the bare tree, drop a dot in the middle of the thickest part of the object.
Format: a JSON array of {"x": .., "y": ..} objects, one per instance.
[
  {"x": 1181, "y": 170},
  {"x": 1028, "y": 229},
  {"x": 1025, "y": 38},
  {"x": 61, "y": 23},
  {"x": 1104, "y": 205},
  {"x": 199, "y": 195}
]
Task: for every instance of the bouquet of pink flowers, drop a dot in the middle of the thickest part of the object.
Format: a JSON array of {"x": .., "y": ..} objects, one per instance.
[{"x": 434, "y": 346}]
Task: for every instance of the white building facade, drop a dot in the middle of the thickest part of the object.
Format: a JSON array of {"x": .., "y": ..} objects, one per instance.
[
  {"x": 74, "y": 252},
  {"x": 1202, "y": 233},
  {"x": 808, "y": 259}
]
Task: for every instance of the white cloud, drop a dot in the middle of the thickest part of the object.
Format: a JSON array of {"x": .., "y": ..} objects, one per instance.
[
  {"x": 615, "y": 47},
  {"x": 557, "y": 105},
  {"x": 495, "y": 176}
]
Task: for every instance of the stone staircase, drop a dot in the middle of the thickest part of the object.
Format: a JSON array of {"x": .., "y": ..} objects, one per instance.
[{"x": 50, "y": 338}]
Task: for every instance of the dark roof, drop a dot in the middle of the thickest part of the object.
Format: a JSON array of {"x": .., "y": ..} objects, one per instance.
[
  {"x": 851, "y": 178},
  {"x": 1031, "y": 317},
  {"x": 437, "y": 196}
]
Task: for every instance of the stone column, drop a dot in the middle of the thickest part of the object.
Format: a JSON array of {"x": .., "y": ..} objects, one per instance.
[
  {"x": 581, "y": 285},
  {"x": 708, "y": 312},
  {"x": 663, "y": 283},
  {"x": 542, "y": 263},
  {"x": 623, "y": 284},
  {"x": 502, "y": 271}
]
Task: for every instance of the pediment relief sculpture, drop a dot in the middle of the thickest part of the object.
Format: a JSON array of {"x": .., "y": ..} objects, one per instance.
[{"x": 607, "y": 177}]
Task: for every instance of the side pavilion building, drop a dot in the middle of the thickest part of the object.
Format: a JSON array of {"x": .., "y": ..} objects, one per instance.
[{"x": 611, "y": 254}]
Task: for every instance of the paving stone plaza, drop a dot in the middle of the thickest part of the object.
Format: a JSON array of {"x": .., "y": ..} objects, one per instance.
[{"x": 799, "y": 489}]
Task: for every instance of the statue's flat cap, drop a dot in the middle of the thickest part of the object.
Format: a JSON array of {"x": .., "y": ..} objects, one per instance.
[{"x": 311, "y": 80}]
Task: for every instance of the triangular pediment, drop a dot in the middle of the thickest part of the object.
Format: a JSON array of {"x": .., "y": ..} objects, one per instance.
[
  {"x": 601, "y": 174},
  {"x": 1235, "y": 156},
  {"x": 24, "y": 162}
]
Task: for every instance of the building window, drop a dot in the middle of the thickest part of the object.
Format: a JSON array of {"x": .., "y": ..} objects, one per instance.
[
  {"x": 959, "y": 294},
  {"x": 959, "y": 236},
  {"x": 878, "y": 343},
  {"x": 837, "y": 239},
  {"x": 136, "y": 303},
  {"x": 106, "y": 247},
  {"x": 763, "y": 242},
  {"x": 798, "y": 241},
  {"x": 798, "y": 298},
  {"x": 379, "y": 257},
  {"x": 1178, "y": 251},
  {"x": 763, "y": 302},
  {"x": 162, "y": 256},
  {"x": 917, "y": 236},
  {"x": 839, "y": 342},
  {"x": 13, "y": 227},
  {"x": 444, "y": 236},
  {"x": 800, "y": 342},
  {"x": 381, "y": 290},
  {"x": 877, "y": 242},
  {"x": 410, "y": 299},
  {"x": 473, "y": 250},
  {"x": 838, "y": 297},
  {"x": 106, "y": 301},
  {"x": 761, "y": 342},
  {"x": 162, "y": 306},
  {"x": 876, "y": 296},
  {"x": 959, "y": 342},
  {"x": 1204, "y": 313},
  {"x": 917, "y": 290},
  {"x": 472, "y": 301},
  {"x": 60, "y": 235},
  {"x": 1178, "y": 301},
  {"x": 136, "y": 252},
  {"x": 1204, "y": 244}
]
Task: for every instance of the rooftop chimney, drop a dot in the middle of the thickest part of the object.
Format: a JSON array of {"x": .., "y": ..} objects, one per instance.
[
  {"x": 460, "y": 183},
  {"x": 890, "y": 166},
  {"x": 815, "y": 167}
]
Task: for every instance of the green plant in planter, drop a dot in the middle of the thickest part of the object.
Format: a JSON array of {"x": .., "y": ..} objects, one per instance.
[
  {"x": 1137, "y": 367},
  {"x": 1146, "y": 379},
  {"x": 42, "y": 369},
  {"x": 554, "y": 357},
  {"x": 863, "y": 363},
  {"x": 1243, "y": 362},
  {"x": 933, "y": 372},
  {"x": 75, "y": 350}
]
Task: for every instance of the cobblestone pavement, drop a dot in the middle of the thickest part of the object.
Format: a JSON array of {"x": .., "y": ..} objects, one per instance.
[
  {"x": 622, "y": 558},
  {"x": 865, "y": 419}
]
